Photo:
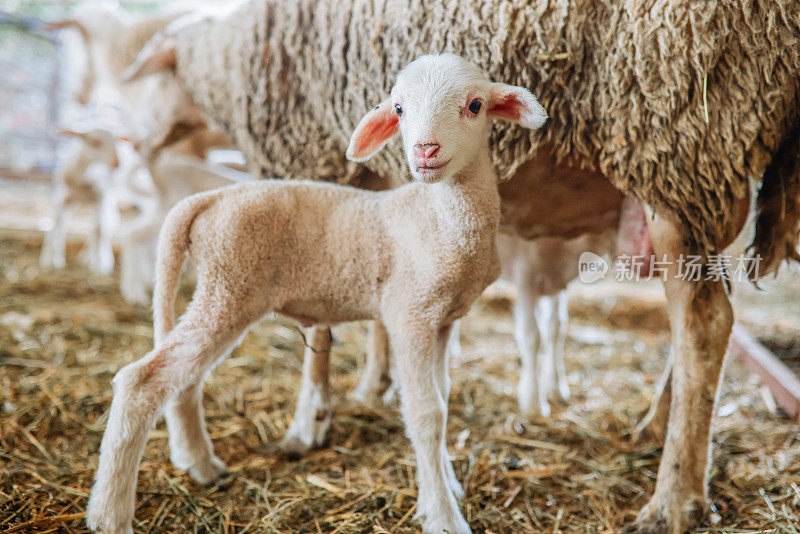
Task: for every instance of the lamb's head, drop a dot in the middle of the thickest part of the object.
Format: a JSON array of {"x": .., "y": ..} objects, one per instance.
[
  {"x": 443, "y": 106},
  {"x": 98, "y": 146}
]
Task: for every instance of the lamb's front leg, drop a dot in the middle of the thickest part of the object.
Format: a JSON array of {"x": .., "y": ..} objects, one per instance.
[
  {"x": 701, "y": 318},
  {"x": 312, "y": 416},
  {"x": 444, "y": 345},
  {"x": 419, "y": 353}
]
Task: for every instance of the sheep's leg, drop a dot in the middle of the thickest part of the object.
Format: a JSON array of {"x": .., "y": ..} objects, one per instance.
[
  {"x": 454, "y": 342},
  {"x": 55, "y": 241},
  {"x": 136, "y": 268},
  {"x": 701, "y": 318},
  {"x": 108, "y": 220},
  {"x": 532, "y": 398},
  {"x": 654, "y": 423},
  {"x": 141, "y": 390},
  {"x": 189, "y": 443},
  {"x": 419, "y": 353},
  {"x": 89, "y": 253},
  {"x": 546, "y": 313},
  {"x": 375, "y": 379},
  {"x": 312, "y": 417},
  {"x": 443, "y": 382},
  {"x": 560, "y": 332},
  {"x": 137, "y": 261}
]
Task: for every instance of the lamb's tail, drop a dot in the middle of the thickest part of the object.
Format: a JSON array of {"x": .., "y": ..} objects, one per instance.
[
  {"x": 173, "y": 244},
  {"x": 778, "y": 216}
]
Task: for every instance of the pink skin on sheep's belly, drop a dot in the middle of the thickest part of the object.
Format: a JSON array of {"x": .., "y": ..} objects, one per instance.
[
  {"x": 545, "y": 198},
  {"x": 633, "y": 237}
]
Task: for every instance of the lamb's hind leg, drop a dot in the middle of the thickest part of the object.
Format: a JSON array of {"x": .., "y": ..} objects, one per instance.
[
  {"x": 189, "y": 443},
  {"x": 312, "y": 416},
  {"x": 701, "y": 318},
  {"x": 141, "y": 391}
]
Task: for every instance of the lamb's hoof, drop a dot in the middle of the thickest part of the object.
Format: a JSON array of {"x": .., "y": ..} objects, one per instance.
[
  {"x": 208, "y": 472},
  {"x": 655, "y": 519},
  {"x": 649, "y": 526},
  {"x": 305, "y": 434},
  {"x": 135, "y": 296},
  {"x": 391, "y": 397},
  {"x": 100, "y": 522},
  {"x": 367, "y": 396},
  {"x": 456, "y": 488},
  {"x": 534, "y": 409},
  {"x": 438, "y": 524},
  {"x": 294, "y": 448}
]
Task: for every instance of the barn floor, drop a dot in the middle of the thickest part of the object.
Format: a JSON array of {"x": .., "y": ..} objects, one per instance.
[{"x": 64, "y": 334}]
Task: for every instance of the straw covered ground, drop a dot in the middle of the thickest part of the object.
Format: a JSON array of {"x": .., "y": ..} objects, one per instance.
[{"x": 64, "y": 334}]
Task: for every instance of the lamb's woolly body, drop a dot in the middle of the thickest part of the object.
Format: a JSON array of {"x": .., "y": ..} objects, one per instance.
[
  {"x": 346, "y": 230},
  {"x": 676, "y": 105}
]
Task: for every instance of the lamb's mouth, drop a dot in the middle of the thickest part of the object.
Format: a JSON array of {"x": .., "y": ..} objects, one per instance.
[{"x": 431, "y": 168}]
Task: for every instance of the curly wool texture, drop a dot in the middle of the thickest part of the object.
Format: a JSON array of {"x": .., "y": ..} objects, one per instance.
[{"x": 677, "y": 103}]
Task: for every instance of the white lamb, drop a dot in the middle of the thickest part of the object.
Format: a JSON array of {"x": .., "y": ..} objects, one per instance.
[
  {"x": 415, "y": 257},
  {"x": 84, "y": 178}
]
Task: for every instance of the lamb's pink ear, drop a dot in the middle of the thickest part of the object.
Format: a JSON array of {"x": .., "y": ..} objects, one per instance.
[
  {"x": 374, "y": 130},
  {"x": 158, "y": 55},
  {"x": 516, "y": 104}
]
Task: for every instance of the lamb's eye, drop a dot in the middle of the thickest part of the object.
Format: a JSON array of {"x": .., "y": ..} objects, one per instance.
[
  {"x": 399, "y": 110},
  {"x": 475, "y": 106}
]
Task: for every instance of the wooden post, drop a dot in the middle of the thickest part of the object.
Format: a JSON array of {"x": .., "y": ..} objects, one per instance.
[{"x": 783, "y": 383}]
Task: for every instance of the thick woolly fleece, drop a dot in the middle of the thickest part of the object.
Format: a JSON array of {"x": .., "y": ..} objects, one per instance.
[{"x": 677, "y": 103}]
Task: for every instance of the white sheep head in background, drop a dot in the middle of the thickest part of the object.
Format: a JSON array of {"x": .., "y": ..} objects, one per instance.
[{"x": 443, "y": 106}]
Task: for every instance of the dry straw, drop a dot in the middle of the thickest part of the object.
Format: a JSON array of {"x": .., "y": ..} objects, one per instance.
[{"x": 64, "y": 334}]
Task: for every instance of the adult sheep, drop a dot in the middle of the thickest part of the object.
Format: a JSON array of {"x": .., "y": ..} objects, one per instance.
[
  {"x": 673, "y": 103},
  {"x": 111, "y": 40}
]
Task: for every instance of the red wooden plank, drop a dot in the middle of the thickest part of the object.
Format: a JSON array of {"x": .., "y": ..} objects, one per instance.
[{"x": 783, "y": 383}]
